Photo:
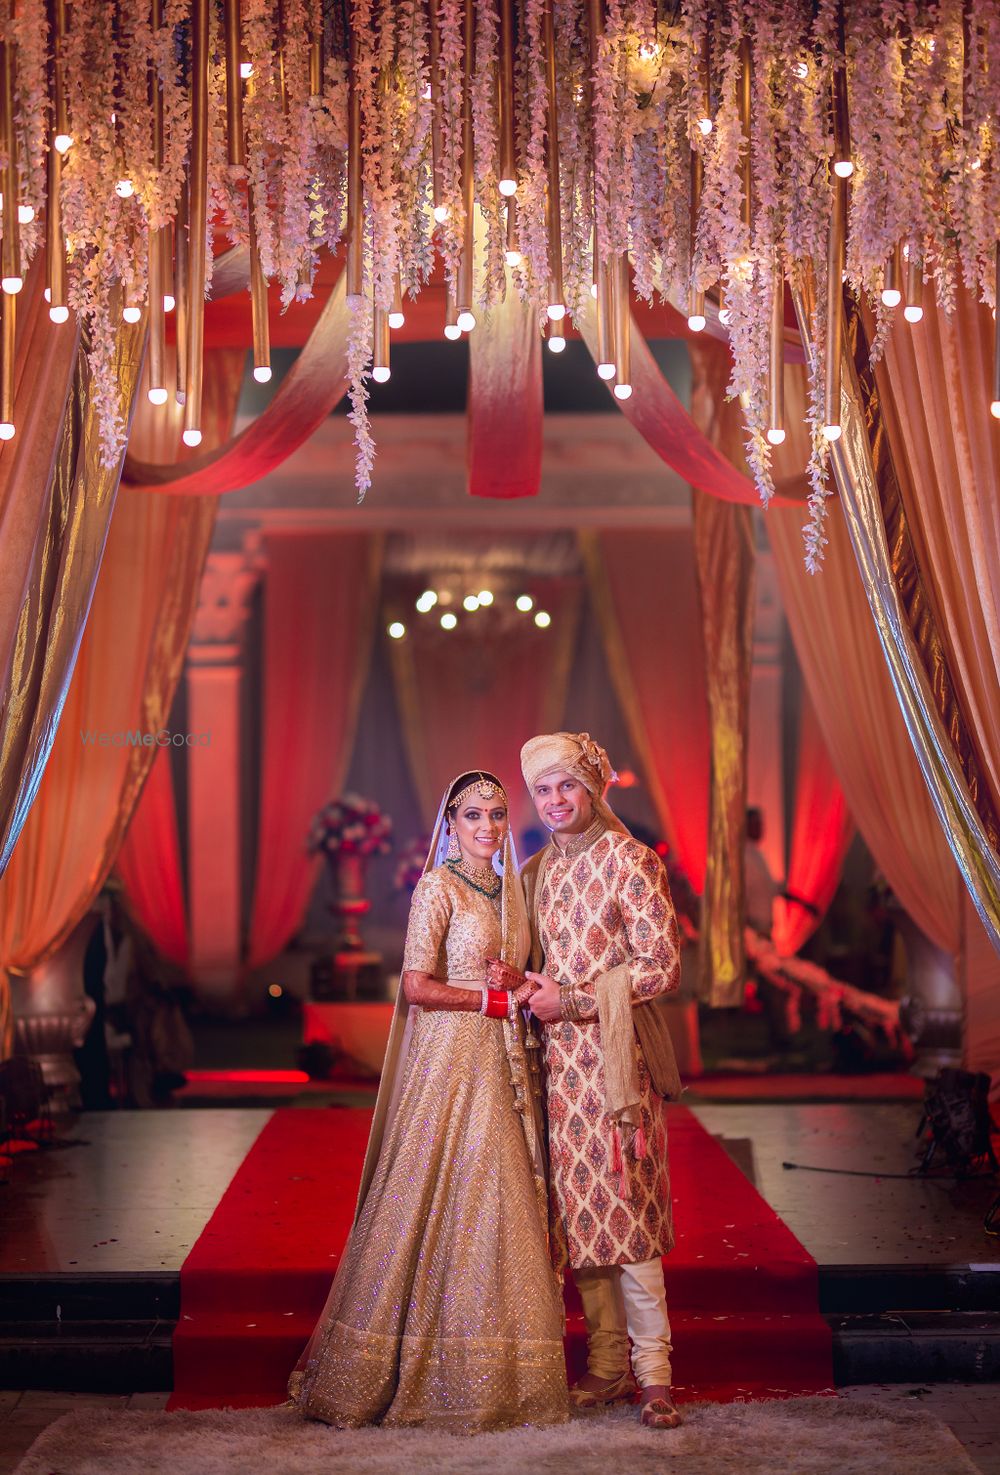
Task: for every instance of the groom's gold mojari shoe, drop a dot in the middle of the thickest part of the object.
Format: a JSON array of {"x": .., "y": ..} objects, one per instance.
[{"x": 614, "y": 1390}]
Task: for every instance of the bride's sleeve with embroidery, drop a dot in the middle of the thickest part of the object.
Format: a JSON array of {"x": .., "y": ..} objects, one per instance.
[{"x": 424, "y": 959}]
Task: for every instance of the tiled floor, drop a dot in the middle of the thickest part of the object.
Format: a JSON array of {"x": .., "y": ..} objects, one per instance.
[
  {"x": 844, "y": 1219},
  {"x": 971, "y": 1410},
  {"x": 125, "y": 1191}
]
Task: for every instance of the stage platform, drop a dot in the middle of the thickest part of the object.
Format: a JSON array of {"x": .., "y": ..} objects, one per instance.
[{"x": 96, "y": 1230}]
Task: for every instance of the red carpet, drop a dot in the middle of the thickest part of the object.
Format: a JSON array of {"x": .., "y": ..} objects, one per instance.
[{"x": 741, "y": 1289}]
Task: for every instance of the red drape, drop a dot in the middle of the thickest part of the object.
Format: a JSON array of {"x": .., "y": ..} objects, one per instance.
[
  {"x": 821, "y": 832},
  {"x": 505, "y": 390},
  {"x": 660, "y": 418},
  {"x": 646, "y": 596},
  {"x": 149, "y": 864},
  {"x": 318, "y": 617},
  {"x": 307, "y": 394}
]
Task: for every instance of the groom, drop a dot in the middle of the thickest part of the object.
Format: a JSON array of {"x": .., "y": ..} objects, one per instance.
[{"x": 604, "y": 942}]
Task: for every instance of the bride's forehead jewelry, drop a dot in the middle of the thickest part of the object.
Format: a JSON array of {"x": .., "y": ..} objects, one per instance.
[{"x": 481, "y": 788}]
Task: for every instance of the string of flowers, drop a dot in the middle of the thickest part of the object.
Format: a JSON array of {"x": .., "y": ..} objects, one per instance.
[{"x": 922, "y": 99}]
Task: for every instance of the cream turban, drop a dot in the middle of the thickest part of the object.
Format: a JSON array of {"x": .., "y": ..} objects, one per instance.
[{"x": 575, "y": 753}]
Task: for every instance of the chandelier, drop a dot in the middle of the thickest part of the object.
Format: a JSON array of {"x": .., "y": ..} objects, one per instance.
[
  {"x": 445, "y": 606},
  {"x": 572, "y": 151}
]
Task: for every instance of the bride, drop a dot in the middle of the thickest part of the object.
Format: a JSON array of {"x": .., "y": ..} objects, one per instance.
[{"x": 445, "y": 1310}]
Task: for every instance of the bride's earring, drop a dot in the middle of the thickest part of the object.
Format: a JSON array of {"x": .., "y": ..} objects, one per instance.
[{"x": 454, "y": 850}]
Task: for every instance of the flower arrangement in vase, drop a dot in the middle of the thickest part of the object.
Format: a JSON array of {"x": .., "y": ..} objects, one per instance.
[{"x": 347, "y": 832}]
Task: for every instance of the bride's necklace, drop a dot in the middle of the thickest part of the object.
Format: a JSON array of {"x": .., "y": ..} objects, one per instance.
[{"x": 478, "y": 877}]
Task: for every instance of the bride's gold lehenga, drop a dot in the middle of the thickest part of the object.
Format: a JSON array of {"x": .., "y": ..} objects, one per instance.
[{"x": 445, "y": 1311}]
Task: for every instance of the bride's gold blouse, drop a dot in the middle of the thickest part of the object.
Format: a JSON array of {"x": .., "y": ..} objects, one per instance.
[{"x": 453, "y": 928}]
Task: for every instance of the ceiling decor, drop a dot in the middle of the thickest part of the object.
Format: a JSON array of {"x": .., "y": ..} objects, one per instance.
[{"x": 707, "y": 152}]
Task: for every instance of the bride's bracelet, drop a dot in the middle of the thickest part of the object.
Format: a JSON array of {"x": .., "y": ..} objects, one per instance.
[{"x": 494, "y": 1004}]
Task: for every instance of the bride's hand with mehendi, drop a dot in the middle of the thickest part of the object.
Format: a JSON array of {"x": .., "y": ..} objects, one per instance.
[{"x": 524, "y": 992}]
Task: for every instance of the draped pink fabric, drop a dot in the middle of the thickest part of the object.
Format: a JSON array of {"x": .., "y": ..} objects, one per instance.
[
  {"x": 149, "y": 864},
  {"x": 937, "y": 383},
  {"x": 645, "y": 592},
  {"x": 320, "y": 602},
  {"x": 470, "y": 697},
  {"x": 862, "y": 725},
  {"x": 821, "y": 832},
  {"x": 308, "y": 393},
  {"x": 505, "y": 391},
  {"x": 660, "y": 418}
]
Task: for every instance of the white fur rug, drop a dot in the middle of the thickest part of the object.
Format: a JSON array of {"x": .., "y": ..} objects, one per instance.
[{"x": 805, "y": 1436}]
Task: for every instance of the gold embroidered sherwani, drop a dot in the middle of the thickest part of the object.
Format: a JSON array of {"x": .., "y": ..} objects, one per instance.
[
  {"x": 445, "y": 1311},
  {"x": 601, "y": 902}
]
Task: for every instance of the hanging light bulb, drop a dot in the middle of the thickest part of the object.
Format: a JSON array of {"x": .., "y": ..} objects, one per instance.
[
  {"x": 59, "y": 314},
  {"x": 124, "y": 189},
  {"x": 543, "y": 619},
  {"x": 843, "y": 168},
  {"x": 396, "y": 315},
  {"x": 7, "y": 431},
  {"x": 448, "y": 620},
  {"x": 131, "y": 314},
  {"x": 623, "y": 391},
  {"x": 507, "y": 187},
  {"x": 606, "y": 371},
  {"x": 466, "y": 320},
  {"x": 471, "y": 603},
  {"x": 705, "y": 126},
  {"x": 512, "y": 257},
  {"x": 832, "y": 432},
  {"x": 397, "y": 630},
  {"x": 191, "y": 437},
  {"x": 12, "y": 285},
  {"x": 485, "y": 597},
  {"x": 556, "y": 311},
  {"x": 441, "y": 213},
  {"x": 25, "y": 214},
  {"x": 696, "y": 322},
  {"x": 169, "y": 302},
  {"x": 246, "y": 70},
  {"x": 452, "y": 332},
  {"x": 427, "y": 601},
  {"x": 524, "y": 603},
  {"x": 157, "y": 396},
  {"x": 262, "y": 373},
  {"x": 556, "y": 342},
  {"x": 776, "y": 436}
]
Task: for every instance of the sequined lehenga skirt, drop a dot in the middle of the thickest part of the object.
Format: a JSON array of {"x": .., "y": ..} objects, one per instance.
[{"x": 445, "y": 1311}]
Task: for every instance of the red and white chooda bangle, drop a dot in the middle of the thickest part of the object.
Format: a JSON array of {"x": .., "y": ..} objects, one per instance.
[{"x": 495, "y": 1001}]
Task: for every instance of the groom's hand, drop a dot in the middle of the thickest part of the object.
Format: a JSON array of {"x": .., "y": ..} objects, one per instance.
[{"x": 545, "y": 1003}]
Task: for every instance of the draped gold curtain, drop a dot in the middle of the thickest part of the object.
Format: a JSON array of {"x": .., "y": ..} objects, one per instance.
[
  {"x": 862, "y": 726},
  {"x": 866, "y": 478},
  {"x": 935, "y": 383},
  {"x": 723, "y": 540},
  {"x": 724, "y": 551},
  {"x": 57, "y": 498},
  {"x": 130, "y": 659}
]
